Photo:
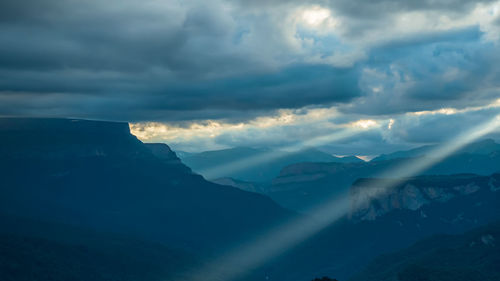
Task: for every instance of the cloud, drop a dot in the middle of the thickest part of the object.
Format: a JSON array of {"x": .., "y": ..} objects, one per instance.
[
  {"x": 142, "y": 97},
  {"x": 292, "y": 127},
  {"x": 444, "y": 70},
  {"x": 234, "y": 62}
]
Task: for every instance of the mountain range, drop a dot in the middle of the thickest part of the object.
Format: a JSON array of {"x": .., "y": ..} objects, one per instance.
[
  {"x": 310, "y": 177},
  {"x": 301, "y": 186},
  {"x": 482, "y": 147},
  {"x": 273, "y": 161},
  {"x": 86, "y": 200}
]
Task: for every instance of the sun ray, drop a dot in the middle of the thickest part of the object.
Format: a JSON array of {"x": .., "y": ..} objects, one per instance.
[
  {"x": 254, "y": 253},
  {"x": 228, "y": 168}
]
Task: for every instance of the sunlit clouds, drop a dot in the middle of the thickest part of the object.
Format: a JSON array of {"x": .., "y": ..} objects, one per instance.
[
  {"x": 206, "y": 131},
  {"x": 451, "y": 111},
  {"x": 365, "y": 124},
  {"x": 391, "y": 123},
  {"x": 315, "y": 16},
  {"x": 296, "y": 129}
]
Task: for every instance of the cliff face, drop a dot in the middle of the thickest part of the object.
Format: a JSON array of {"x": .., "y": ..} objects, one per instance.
[
  {"x": 414, "y": 193},
  {"x": 162, "y": 151}
]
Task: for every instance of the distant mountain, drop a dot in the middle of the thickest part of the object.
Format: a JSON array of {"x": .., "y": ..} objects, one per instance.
[
  {"x": 473, "y": 256},
  {"x": 263, "y": 171},
  {"x": 482, "y": 147},
  {"x": 97, "y": 175},
  {"x": 301, "y": 186},
  {"x": 183, "y": 154},
  {"x": 244, "y": 185},
  {"x": 346, "y": 159},
  {"x": 36, "y": 250},
  {"x": 416, "y": 152}
]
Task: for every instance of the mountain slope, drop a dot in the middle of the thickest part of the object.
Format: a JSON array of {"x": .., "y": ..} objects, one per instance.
[
  {"x": 301, "y": 186},
  {"x": 463, "y": 202},
  {"x": 36, "y": 250},
  {"x": 98, "y": 175},
  {"x": 243, "y": 185},
  {"x": 473, "y": 256},
  {"x": 266, "y": 169}
]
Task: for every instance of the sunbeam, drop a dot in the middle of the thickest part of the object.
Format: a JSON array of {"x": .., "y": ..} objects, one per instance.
[
  {"x": 252, "y": 254},
  {"x": 227, "y": 168}
]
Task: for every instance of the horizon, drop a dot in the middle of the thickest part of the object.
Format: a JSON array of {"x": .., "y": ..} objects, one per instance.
[{"x": 365, "y": 158}]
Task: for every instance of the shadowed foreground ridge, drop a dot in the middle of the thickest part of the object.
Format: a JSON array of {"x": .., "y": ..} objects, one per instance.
[
  {"x": 37, "y": 250},
  {"x": 96, "y": 174},
  {"x": 473, "y": 256}
]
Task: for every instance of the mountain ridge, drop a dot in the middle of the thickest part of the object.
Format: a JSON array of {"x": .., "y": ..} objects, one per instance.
[
  {"x": 472, "y": 256},
  {"x": 267, "y": 168},
  {"x": 76, "y": 164},
  {"x": 304, "y": 185}
]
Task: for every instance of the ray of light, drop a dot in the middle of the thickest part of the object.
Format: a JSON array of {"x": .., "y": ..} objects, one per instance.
[
  {"x": 227, "y": 168},
  {"x": 250, "y": 255}
]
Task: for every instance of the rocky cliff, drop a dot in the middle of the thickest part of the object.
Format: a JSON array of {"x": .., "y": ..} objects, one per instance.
[{"x": 414, "y": 193}]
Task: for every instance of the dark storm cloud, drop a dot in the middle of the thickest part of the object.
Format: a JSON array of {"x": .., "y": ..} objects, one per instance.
[
  {"x": 167, "y": 60},
  {"x": 145, "y": 64},
  {"x": 145, "y": 98},
  {"x": 105, "y": 38}
]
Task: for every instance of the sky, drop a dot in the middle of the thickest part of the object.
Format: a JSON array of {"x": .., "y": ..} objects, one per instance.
[{"x": 214, "y": 74}]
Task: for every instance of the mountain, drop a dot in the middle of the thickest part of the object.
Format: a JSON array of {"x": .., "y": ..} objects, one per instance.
[
  {"x": 414, "y": 194},
  {"x": 163, "y": 152},
  {"x": 183, "y": 154},
  {"x": 99, "y": 180},
  {"x": 43, "y": 251},
  {"x": 263, "y": 171},
  {"x": 97, "y": 175},
  {"x": 346, "y": 159},
  {"x": 484, "y": 147},
  {"x": 473, "y": 256},
  {"x": 417, "y": 208},
  {"x": 244, "y": 185},
  {"x": 304, "y": 185}
]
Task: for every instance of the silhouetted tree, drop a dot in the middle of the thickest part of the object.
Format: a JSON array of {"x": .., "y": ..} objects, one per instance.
[{"x": 324, "y": 278}]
